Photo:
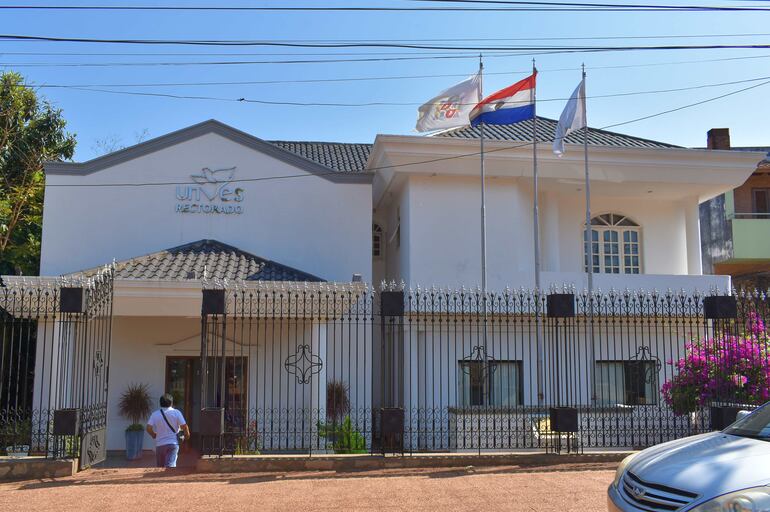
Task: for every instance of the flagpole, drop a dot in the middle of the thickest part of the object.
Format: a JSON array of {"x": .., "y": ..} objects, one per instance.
[
  {"x": 536, "y": 237},
  {"x": 483, "y": 191},
  {"x": 536, "y": 213},
  {"x": 483, "y": 222},
  {"x": 589, "y": 237}
]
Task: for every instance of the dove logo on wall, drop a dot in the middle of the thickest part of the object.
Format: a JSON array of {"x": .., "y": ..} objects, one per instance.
[{"x": 212, "y": 193}]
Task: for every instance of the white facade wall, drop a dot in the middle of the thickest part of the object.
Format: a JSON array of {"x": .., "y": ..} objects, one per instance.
[
  {"x": 306, "y": 222},
  {"x": 445, "y": 232}
]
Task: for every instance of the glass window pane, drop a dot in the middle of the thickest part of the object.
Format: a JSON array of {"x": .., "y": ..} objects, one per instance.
[
  {"x": 609, "y": 382},
  {"x": 505, "y": 384}
]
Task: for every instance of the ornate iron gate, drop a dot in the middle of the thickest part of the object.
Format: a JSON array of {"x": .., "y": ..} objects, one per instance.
[{"x": 54, "y": 365}]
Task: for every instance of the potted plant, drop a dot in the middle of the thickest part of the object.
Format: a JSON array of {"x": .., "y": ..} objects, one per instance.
[{"x": 135, "y": 406}]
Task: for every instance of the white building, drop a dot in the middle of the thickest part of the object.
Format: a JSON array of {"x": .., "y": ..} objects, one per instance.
[{"x": 209, "y": 203}]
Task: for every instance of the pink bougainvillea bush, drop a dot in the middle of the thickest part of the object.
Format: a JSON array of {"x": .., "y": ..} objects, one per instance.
[{"x": 725, "y": 368}]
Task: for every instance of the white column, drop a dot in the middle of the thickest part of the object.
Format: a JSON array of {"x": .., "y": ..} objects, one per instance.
[
  {"x": 549, "y": 228},
  {"x": 692, "y": 230}
]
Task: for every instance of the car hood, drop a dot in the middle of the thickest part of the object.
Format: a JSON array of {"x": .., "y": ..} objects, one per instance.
[{"x": 707, "y": 464}]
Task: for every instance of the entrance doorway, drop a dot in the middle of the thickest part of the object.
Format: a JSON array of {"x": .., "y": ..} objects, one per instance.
[{"x": 183, "y": 381}]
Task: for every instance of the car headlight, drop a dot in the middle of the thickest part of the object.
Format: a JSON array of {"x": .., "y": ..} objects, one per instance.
[
  {"x": 622, "y": 468},
  {"x": 754, "y": 499}
]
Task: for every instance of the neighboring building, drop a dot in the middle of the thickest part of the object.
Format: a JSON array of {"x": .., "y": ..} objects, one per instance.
[
  {"x": 735, "y": 226},
  {"x": 210, "y": 206}
]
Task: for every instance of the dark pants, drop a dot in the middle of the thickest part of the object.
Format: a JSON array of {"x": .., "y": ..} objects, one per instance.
[{"x": 165, "y": 456}]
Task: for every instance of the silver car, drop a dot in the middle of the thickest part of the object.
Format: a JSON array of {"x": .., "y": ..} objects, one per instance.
[{"x": 726, "y": 471}]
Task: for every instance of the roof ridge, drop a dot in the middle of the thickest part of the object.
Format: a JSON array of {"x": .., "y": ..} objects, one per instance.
[{"x": 320, "y": 142}]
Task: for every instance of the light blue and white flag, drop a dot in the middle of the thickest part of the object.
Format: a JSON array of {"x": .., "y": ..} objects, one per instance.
[{"x": 572, "y": 118}]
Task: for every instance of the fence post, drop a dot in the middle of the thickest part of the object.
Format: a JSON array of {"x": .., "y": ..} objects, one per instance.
[{"x": 389, "y": 425}]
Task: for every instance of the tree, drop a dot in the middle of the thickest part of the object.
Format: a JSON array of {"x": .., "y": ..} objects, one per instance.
[
  {"x": 32, "y": 131},
  {"x": 114, "y": 142}
]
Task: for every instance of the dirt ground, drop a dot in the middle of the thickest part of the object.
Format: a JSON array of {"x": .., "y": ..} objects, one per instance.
[{"x": 567, "y": 487}]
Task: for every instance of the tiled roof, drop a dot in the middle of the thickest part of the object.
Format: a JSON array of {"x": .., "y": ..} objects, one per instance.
[
  {"x": 340, "y": 156},
  {"x": 546, "y": 128},
  {"x": 220, "y": 261}
]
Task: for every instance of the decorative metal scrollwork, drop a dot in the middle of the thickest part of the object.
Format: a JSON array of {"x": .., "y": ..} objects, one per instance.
[
  {"x": 644, "y": 355},
  {"x": 486, "y": 364},
  {"x": 98, "y": 363},
  {"x": 303, "y": 364}
]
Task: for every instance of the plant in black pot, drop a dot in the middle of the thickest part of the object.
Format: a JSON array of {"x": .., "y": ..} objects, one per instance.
[{"x": 135, "y": 406}]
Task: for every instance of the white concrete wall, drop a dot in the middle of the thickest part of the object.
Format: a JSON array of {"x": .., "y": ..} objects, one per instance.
[
  {"x": 276, "y": 399},
  {"x": 445, "y": 234},
  {"x": 310, "y": 223}
]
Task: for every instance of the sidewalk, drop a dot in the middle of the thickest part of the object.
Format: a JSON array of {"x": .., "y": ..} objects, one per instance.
[{"x": 564, "y": 487}]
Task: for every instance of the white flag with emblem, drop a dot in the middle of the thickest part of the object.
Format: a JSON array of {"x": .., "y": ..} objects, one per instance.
[
  {"x": 572, "y": 118},
  {"x": 450, "y": 108}
]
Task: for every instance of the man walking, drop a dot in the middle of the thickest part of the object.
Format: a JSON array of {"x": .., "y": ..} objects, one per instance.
[{"x": 166, "y": 426}]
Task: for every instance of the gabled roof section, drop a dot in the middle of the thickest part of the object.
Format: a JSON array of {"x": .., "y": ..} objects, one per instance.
[
  {"x": 218, "y": 260},
  {"x": 342, "y": 156},
  {"x": 546, "y": 130},
  {"x": 318, "y": 167}
]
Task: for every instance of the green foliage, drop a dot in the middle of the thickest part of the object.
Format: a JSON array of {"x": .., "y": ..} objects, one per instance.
[
  {"x": 135, "y": 404},
  {"x": 17, "y": 433},
  {"x": 32, "y": 131},
  {"x": 245, "y": 446},
  {"x": 344, "y": 438}
]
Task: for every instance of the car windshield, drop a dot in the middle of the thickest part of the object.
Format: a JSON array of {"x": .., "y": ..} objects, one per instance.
[{"x": 756, "y": 425}]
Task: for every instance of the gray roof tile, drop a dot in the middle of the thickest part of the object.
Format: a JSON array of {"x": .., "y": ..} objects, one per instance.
[
  {"x": 546, "y": 128},
  {"x": 340, "y": 156},
  {"x": 221, "y": 261}
]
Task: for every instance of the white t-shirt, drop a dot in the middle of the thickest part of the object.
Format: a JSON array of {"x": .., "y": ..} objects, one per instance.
[{"x": 164, "y": 434}]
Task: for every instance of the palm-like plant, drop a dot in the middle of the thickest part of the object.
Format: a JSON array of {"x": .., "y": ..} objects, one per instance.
[
  {"x": 135, "y": 405},
  {"x": 337, "y": 401}
]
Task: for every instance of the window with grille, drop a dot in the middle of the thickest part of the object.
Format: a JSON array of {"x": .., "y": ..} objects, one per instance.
[
  {"x": 614, "y": 246},
  {"x": 376, "y": 241},
  {"x": 626, "y": 382},
  {"x": 490, "y": 383}
]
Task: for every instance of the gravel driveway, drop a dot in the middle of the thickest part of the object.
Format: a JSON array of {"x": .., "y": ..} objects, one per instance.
[{"x": 566, "y": 487}]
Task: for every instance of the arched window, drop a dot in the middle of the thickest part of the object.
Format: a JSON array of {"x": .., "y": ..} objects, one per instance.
[
  {"x": 615, "y": 246},
  {"x": 376, "y": 241}
]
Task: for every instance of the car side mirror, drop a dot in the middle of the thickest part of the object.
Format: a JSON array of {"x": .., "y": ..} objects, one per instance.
[{"x": 741, "y": 414}]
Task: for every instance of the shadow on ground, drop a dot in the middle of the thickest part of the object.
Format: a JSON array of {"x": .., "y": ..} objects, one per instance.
[{"x": 146, "y": 474}]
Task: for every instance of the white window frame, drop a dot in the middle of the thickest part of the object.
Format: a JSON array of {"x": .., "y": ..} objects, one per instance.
[{"x": 612, "y": 223}]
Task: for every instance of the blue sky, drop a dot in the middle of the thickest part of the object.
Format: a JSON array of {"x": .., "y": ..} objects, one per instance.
[{"x": 96, "y": 115}]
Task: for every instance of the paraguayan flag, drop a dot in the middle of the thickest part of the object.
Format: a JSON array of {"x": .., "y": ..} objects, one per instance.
[
  {"x": 451, "y": 107},
  {"x": 572, "y": 118}
]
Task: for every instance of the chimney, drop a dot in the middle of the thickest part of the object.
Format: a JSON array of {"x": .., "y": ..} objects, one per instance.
[{"x": 718, "y": 138}]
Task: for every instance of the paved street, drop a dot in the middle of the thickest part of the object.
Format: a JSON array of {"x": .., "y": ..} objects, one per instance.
[{"x": 552, "y": 488}]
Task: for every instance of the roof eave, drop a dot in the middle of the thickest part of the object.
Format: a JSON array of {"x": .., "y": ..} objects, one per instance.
[{"x": 192, "y": 132}]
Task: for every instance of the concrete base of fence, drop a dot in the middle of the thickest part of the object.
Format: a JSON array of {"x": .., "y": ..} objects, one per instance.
[
  {"x": 269, "y": 463},
  {"x": 34, "y": 468}
]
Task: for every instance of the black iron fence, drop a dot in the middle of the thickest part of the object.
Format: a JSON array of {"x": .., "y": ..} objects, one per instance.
[
  {"x": 321, "y": 369},
  {"x": 54, "y": 355}
]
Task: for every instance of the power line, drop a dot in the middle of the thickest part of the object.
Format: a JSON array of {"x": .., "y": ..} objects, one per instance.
[
  {"x": 423, "y": 162},
  {"x": 373, "y": 103},
  {"x": 402, "y": 77},
  {"x": 455, "y": 56},
  {"x": 432, "y": 40},
  {"x": 372, "y": 44}
]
